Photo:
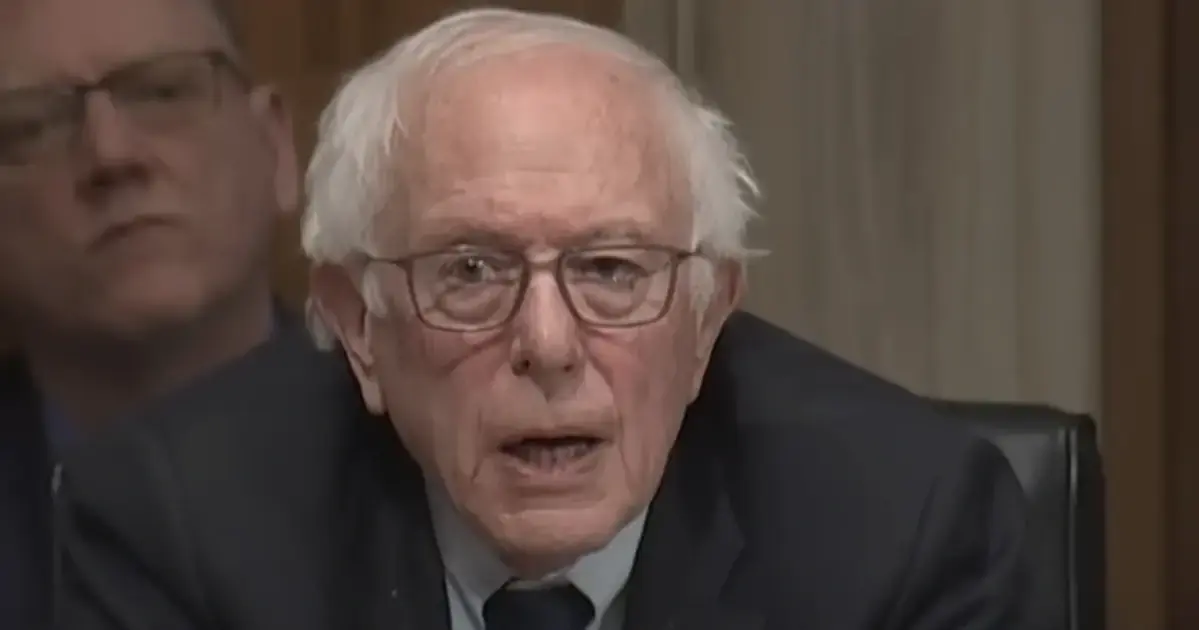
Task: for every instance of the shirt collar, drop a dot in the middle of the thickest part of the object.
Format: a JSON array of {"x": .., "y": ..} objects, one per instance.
[{"x": 476, "y": 571}]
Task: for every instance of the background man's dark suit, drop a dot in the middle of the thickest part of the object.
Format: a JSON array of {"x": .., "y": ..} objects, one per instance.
[
  {"x": 26, "y": 470},
  {"x": 26, "y": 539},
  {"x": 803, "y": 493}
]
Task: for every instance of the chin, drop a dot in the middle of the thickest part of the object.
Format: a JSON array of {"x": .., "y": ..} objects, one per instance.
[
  {"x": 139, "y": 309},
  {"x": 543, "y": 539}
]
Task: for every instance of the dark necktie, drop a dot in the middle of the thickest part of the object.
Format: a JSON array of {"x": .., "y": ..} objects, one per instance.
[{"x": 557, "y": 608}]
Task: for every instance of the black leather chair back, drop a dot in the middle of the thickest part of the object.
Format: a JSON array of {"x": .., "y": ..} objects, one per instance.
[{"x": 1056, "y": 457}]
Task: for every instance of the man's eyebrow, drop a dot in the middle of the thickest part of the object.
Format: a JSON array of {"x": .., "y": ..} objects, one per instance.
[
  {"x": 623, "y": 231},
  {"x": 11, "y": 81},
  {"x": 455, "y": 232}
]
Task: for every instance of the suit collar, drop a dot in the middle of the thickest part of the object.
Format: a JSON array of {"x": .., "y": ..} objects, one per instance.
[{"x": 394, "y": 549}]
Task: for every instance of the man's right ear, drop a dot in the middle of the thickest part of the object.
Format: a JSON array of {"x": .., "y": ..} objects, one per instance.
[{"x": 342, "y": 309}]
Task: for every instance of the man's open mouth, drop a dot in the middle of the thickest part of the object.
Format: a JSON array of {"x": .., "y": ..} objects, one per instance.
[{"x": 549, "y": 453}]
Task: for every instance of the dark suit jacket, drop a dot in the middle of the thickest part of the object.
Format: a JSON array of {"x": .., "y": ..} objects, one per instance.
[
  {"x": 26, "y": 540},
  {"x": 803, "y": 493},
  {"x": 27, "y": 563}
]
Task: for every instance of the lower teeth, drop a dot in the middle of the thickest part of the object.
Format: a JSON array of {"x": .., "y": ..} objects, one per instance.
[{"x": 551, "y": 456}]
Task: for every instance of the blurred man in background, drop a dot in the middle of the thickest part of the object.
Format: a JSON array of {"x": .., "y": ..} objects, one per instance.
[{"x": 141, "y": 176}]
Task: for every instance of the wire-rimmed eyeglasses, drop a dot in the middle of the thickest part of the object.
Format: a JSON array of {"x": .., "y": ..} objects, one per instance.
[
  {"x": 158, "y": 93},
  {"x": 473, "y": 289}
]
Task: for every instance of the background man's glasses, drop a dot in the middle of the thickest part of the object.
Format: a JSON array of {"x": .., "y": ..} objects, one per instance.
[
  {"x": 472, "y": 289},
  {"x": 157, "y": 94}
]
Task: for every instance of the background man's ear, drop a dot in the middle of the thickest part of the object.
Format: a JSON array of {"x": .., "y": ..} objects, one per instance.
[{"x": 271, "y": 109}]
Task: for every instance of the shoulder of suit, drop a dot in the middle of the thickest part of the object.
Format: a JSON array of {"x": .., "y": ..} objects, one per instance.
[
  {"x": 275, "y": 429},
  {"x": 807, "y": 421},
  {"x": 775, "y": 380},
  {"x": 283, "y": 396}
]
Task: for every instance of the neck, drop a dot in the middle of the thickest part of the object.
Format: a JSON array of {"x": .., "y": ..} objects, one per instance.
[
  {"x": 96, "y": 382},
  {"x": 534, "y": 568}
]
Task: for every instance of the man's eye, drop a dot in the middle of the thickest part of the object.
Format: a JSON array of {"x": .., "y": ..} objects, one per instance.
[
  {"x": 472, "y": 269},
  {"x": 611, "y": 269},
  {"x": 21, "y": 130},
  {"x": 163, "y": 90}
]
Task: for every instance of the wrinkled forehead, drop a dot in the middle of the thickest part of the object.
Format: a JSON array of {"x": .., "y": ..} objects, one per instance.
[
  {"x": 56, "y": 40},
  {"x": 547, "y": 144}
]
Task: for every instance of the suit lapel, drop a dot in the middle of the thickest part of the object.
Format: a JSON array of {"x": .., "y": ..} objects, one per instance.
[
  {"x": 691, "y": 541},
  {"x": 407, "y": 589}
]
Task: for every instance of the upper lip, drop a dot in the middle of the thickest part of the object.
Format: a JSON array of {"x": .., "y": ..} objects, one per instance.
[
  {"x": 117, "y": 226},
  {"x": 546, "y": 433}
]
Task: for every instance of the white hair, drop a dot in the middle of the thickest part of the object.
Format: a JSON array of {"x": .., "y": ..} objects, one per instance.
[{"x": 352, "y": 174}]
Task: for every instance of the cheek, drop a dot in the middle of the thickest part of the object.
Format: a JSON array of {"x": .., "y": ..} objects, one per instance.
[
  {"x": 39, "y": 211},
  {"x": 217, "y": 167},
  {"x": 436, "y": 392},
  {"x": 649, "y": 388},
  {"x": 225, "y": 190},
  {"x": 42, "y": 228}
]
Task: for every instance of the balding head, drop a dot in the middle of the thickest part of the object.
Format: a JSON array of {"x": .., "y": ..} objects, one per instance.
[
  {"x": 553, "y": 109},
  {"x": 362, "y": 140}
]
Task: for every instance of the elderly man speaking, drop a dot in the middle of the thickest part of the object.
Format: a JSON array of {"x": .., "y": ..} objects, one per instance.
[{"x": 544, "y": 412}]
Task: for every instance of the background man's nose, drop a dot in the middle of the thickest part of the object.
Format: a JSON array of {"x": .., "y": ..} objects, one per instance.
[
  {"x": 105, "y": 131},
  {"x": 109, "y": 141}
]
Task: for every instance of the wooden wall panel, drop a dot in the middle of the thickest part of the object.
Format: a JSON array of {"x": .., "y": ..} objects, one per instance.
[
  {"x": 1133, "y": 311},
  {"x": 306, "y": 46},
  {"x": 1151, "y": 311},
  {"x": 1182, "y": 227}
]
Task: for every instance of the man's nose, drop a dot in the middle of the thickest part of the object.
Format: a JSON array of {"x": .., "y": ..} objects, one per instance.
[
  {"x": 546, "y": 347},
  {"x": 105, "y": 131}
]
